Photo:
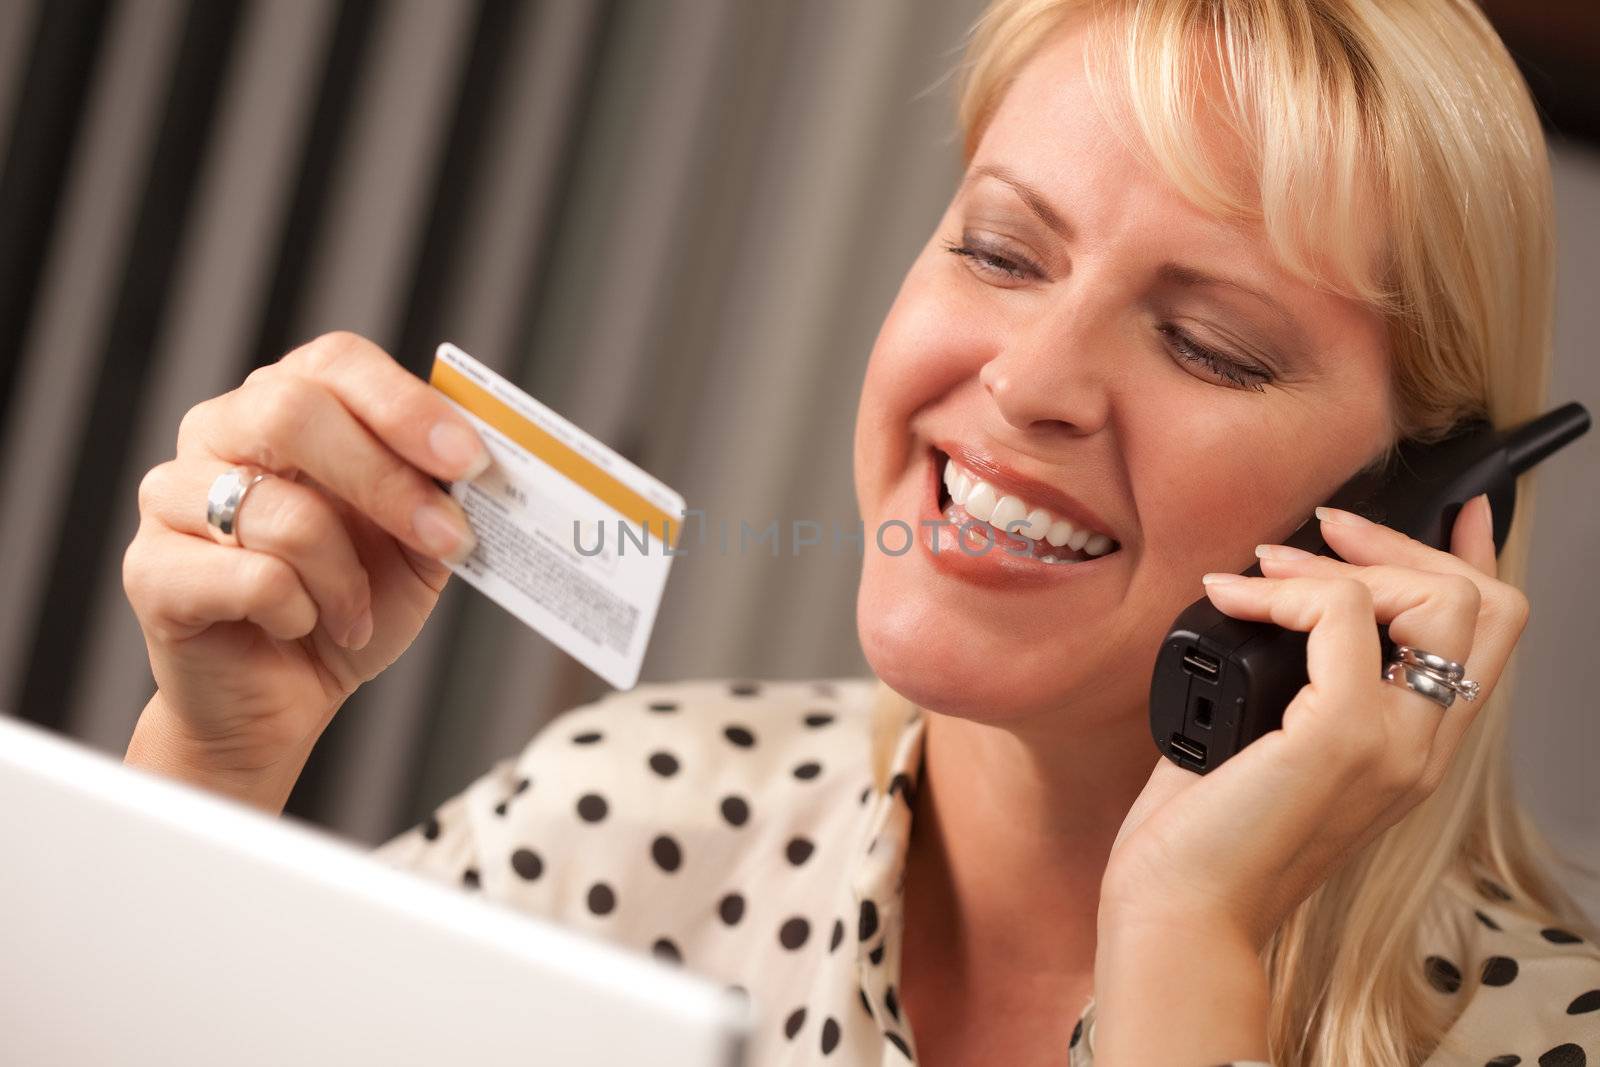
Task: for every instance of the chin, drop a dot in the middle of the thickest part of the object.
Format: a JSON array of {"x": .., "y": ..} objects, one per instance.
[{"x": 913, "y": 648}]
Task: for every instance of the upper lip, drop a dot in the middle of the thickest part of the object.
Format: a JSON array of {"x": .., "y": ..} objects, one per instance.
[{"x": 1007, "y": 480}]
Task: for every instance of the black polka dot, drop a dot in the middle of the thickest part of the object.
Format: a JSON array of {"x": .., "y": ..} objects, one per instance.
[
  {"x": 739, "y": 735},
  {"x": 663, "y": 706},
  {"x": 865, "y": 793},
  {"x": 1485, "y": 920},
  {"x": 818, "y": 718},
  {"x": 1077, "y": 1032},
  {"x": 866, "y": 1005},
  {"x": 592, "y": 807},
  {"x": 892, "y": 1002},
  {"x": 588, "y": 737},
  {"x": 666, "y": 951},
  {"x": 735, "y": 810},
  {"x": 794, "y": 1022},
  {"x": 876, "y": 955},
  {"x": 1492, "y": 889},
  {"x": 900, "y": 1043},
  {"x": 1507, "y": 1060},
  {"x": 1584, "y": 1003},
  {"x": 665, "y": 851},
  {"x": 602, "y": 900},
  {"x": 744, "y": 689},
  {"x": 731, "y": 909},
  {"x": 470, "y": 878},
  {"x": 799, "y": 850},
  {"x": 901, "y": 783},
  {"x": 869, "y": 919},
  {"x": 793, "y": 933},
  {"x": 1568, "y": 1055},
  {"x": 527, "y": 864},
  {"x": 522, "y": 786},
  {"x": 830, "y": 1035},
  {"x": 838, "y": 934},
  {"x": 808, "y": 770},
  {"x": 1557, "y": 936},
  {"x": 500, "y": 808},
  {"x": 1442, "y": 974},
  {"x": 1499, "y": 970},
  {"x": 430, "y": 828},
  {"x": 664, "y": 763}
]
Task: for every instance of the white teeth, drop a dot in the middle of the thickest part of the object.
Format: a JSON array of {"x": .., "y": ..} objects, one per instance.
[
  {"x": 1007, "y": 510},
  {"x": 980, "y": 501},
  {"x": 1038, "y": 524}
]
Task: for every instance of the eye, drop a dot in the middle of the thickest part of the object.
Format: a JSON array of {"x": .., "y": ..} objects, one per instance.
[
  {"x": 1236, "y": 373},
  {"x": 991, "y": 263}
]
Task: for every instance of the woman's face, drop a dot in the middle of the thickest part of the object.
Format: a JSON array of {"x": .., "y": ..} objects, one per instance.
[{"x": 1054, "y": 339}]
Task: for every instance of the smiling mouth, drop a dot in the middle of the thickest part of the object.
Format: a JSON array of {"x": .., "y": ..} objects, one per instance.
[{"x": 983, "y": 511}]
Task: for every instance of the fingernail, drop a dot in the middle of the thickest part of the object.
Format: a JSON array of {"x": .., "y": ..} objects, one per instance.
[
  {"x": 360, "y": 633},
  {"x": 1281, "y": 552},
  {"x": 1342, "y": 518},
  {"x": 444, "y": 535},
  {"x": 1219, "y": 577},
  {"x": 459, "y": 449},
  {"x": 1488, "y": 514}
]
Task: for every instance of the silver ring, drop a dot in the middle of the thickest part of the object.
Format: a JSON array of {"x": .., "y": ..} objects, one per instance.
[
  {"x": 1420, "y": 681},
  {"x": 224, "y": 500},
  {"x": 1445, "y": 669}
]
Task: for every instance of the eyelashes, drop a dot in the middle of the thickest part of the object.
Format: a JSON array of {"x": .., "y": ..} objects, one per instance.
[
  {"x": 985, "y": 259},
  {"x": 1235, "y": 372},
  {"x": 1007, "y": 268}
]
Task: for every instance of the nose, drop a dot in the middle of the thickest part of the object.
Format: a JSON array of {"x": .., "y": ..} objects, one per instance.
[{"x": 1050, "y": 379}]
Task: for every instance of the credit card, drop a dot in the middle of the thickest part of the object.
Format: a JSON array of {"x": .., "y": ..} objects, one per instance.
[{"x": 572, "y": 538}]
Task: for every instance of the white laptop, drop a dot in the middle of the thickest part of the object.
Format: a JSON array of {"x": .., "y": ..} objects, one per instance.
[{"x": 143, "y": 922}]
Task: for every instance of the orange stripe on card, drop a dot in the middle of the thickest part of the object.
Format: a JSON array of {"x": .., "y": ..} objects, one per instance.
[{"x": 497, "y": 413}]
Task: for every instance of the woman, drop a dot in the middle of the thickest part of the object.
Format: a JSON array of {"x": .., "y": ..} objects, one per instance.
[{"x": 1207, "y": 261}]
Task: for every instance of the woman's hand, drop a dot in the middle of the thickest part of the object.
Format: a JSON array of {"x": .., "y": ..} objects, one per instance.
[
  {"x": 1204, "y": 869},
  {"x": 255, "y": 647}
]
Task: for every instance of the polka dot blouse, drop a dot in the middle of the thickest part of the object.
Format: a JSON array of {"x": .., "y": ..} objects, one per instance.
[{"x": 756, "y": 834}]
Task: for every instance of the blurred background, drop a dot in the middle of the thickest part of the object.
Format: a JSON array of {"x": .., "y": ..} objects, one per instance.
[{"x": 677, "y": 222}]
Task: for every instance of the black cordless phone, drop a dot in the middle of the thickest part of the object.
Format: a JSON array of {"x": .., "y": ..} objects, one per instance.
[{"x": 1222, "y": 682}]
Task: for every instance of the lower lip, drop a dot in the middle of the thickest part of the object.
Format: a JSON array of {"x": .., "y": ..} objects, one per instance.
[{"x": 989, "y": 564}]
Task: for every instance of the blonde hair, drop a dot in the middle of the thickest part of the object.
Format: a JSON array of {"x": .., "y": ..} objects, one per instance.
[{"x": 1410, "y": 114}]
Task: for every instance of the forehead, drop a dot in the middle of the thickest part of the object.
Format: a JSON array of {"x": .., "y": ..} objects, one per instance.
[{"x": 1078, "y": 139}]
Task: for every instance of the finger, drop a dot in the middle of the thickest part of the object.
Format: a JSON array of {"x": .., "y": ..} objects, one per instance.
[
  {"x": 179, "y": 585},
  {"x": 1503, "y": 609},
  {"x": 1472, "y": 537},
  {"x": 1362, "y": 541},
  {"x": 403, "y": 411},
  {"x": 1418, "y": 606},
  {"x": 283, "y": 422},
  {"x": 1336, "y": 614},
  {"x": 281, "y": 517}
]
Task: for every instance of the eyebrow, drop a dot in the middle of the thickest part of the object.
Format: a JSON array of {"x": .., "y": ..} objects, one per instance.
[
  {"x": 1030, "y": 195},
  {"x": 1171, "y": 273}
]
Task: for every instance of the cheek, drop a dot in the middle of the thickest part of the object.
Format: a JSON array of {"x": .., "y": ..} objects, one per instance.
[
  {"x": 931, "y": 344},
  {"x": 1212, "y": 484}
]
